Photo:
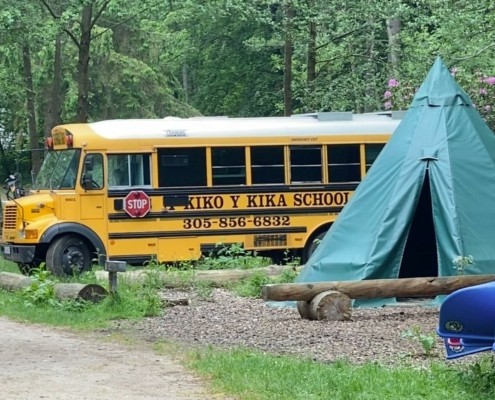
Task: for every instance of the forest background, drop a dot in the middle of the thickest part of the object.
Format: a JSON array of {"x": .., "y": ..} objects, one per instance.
[{"x": 88, "y": 60}]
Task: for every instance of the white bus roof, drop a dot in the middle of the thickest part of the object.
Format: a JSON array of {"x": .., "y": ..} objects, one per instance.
[{"x": 217, "y": 127}]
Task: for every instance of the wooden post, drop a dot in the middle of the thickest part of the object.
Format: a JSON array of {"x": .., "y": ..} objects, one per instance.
[{"x": 112, "y": 267}]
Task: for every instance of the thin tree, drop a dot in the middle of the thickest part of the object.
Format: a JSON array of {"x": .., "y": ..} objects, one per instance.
[{"x": 89, "y": 17}]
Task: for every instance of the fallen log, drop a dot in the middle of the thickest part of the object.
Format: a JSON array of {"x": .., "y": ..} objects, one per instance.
[
  {"x": 374, "y": 288},
  {"x": 89, "y": 292},
  {"x": 217, "y": 277},
  {"x": 63, "y": 291}
]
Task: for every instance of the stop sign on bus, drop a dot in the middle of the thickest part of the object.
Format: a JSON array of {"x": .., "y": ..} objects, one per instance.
[{"x": 137, "y": 204}]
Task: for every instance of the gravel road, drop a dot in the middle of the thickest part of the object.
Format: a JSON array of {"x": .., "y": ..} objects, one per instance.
[{"x": 55, "y": 364}]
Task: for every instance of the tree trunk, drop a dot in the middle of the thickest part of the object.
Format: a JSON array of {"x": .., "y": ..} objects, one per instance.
[
  {"x": 63, "y": 291},
  {"x": 375, "y": 288},
  {"x": 185, "y": 82},
  {"x": 83, "y": 65},
  {"x": 393, "y": 31},
  {"x": 288, "y": 50},
  {"x": 5, "y": 165},
  {"x": 31, "y": 111},
  {"x": 311, "y": 63},
  {"x": 54, "y": 106}
]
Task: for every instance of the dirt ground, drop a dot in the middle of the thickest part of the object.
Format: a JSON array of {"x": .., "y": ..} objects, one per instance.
[{"x": 37, "y": 362}]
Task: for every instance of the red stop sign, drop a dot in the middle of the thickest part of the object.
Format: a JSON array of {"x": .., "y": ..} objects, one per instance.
[{"x": 137, "y": 204}]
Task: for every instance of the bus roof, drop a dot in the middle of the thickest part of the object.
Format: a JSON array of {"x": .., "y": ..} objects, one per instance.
[{"x": 224, "y": 127}]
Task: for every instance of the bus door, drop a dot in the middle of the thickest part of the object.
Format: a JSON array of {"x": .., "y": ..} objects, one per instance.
[{"x": 93, "y": 197}]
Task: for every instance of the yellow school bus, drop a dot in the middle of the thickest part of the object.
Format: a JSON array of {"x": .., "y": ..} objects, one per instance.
[{"x": 172, "y": 189}]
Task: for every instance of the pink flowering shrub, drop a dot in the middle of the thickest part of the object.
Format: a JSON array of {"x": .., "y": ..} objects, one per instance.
[
  {"x": 397, "y": 96},
  {"x": 480, "y": 87}
]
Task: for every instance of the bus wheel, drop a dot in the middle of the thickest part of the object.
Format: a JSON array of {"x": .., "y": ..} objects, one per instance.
[
  {"x": 311, "y": 246},
  {"x": 68, "y": 255}
]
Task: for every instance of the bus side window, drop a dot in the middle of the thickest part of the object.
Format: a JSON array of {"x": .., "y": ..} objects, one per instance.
[
  {"x": 118, "y": 170},
  {"x": 228, "y": 166},
  {"x": 182, "y": 166},
  {"x": 267, "y": 165},
  {"x": 305, "y": 164},
  {"x": 372, "y": 151},
  {"x": 344, "y": 163},
  {"x": 140, "y": 170},
  {"x": 129, "y": 170}
]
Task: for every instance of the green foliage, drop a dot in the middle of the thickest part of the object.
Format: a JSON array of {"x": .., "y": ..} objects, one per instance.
[
  {"x": 479, "y": 377},
  {"x": 462, "y": 263},
  {"x": 203, "y": 289},
  {"x": 232, "y": 256},
  {"x": 41, "y": 290},
  {"x": 289, "y": 259},
  {"x": 427, "y": 341},
  {"x": 251, "y": 287}
]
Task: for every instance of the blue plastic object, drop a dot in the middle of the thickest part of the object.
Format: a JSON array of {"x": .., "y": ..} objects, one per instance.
[{"x": 467, "y": 321}]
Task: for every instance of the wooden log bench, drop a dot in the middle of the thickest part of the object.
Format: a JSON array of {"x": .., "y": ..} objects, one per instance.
[{"x": 333, "y": 300}]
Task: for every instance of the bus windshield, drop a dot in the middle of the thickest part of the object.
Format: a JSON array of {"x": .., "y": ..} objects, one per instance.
[{"x": 59, "y": 170}]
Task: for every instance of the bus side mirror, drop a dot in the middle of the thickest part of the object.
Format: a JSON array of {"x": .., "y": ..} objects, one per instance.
[{"x": 87, "y": 177}]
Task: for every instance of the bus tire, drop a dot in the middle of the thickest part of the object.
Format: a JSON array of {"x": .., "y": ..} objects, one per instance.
[
  {"x": 68, "y": 255},
  {"x": 311, "y": 246}
]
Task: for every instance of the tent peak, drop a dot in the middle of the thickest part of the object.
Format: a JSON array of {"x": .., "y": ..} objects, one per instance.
[{"x": 440, "y": 89}]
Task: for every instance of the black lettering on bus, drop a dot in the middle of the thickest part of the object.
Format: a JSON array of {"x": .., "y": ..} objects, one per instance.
[
  {"x": 235, "y": 199},
  {"x": 339, "y": 199},
  {"x": 251, "y": 198},
  {"x": 328, "y": 199},
  {"x": 204, "y": 203},
  {"x": 320, "y": 199},
  {"x": 265, "y": 200},
  {"x": 281, "y": 201},
  {"x": 268, "y": 200}
]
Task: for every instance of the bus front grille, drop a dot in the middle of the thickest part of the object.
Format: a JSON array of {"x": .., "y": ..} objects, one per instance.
[{"x": 10, "y": 217}]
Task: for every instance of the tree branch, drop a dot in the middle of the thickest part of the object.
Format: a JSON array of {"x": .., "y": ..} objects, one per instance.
[
  {"x": 73, "y": 37},
  {"x": 341, "y": 36},
  {"x": 475, "y": 54},
  {"x": 55, "y": 16},
  {"x": 98, "y": 14},
  {"x": 127, "y": 19}
]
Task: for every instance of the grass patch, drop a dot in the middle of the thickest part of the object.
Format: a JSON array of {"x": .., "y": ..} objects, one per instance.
[
  {"x": 37, "y": 303},
  {"x": 256, "y": 376}
]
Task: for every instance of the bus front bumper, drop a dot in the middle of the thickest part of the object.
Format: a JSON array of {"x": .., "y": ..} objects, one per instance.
[{"x": 17, "y": 253}]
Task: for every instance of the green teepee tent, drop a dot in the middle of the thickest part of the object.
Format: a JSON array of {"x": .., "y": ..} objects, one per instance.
[{"x": 428, "y": 198}]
